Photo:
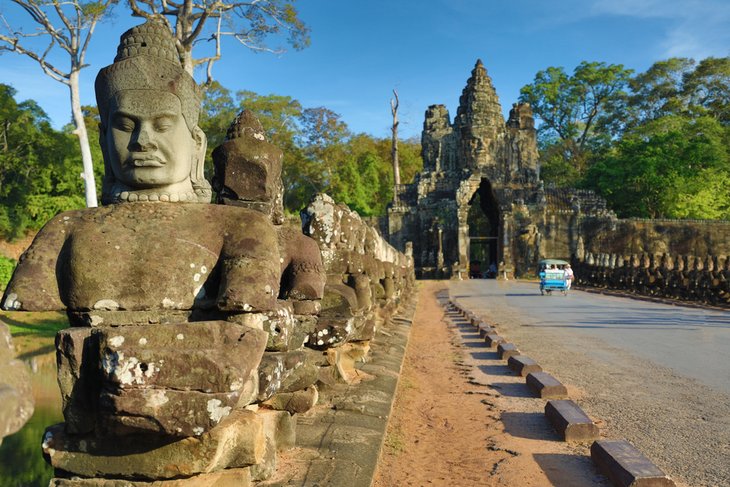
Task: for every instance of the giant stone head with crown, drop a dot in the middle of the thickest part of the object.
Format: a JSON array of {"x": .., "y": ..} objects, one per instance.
[{"x": 152, "y": 145}]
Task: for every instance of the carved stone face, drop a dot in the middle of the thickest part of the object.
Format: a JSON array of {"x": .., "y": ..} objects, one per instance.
[{"x": 148, "y": 143}]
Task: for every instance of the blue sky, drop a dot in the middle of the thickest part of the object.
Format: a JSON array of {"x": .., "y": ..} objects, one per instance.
[{"x": 425, "y": 49}]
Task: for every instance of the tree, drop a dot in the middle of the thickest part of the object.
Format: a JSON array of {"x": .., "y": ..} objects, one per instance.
[
  {"x": 672, "y": 167},
  {"x": 71, "y": 31},
  {"x": 322, "y": 137},
  {"x": 394, "y": 133},
  {"x": 570, "y": 108},
  {"x": 252, "y": 23},
  {"x": 657, "y": 92},
  {"x": 37, "y": 178},
  {"x": 708, "y": 87}
]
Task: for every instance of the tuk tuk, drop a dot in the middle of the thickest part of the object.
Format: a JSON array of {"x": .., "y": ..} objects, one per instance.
[{"x": 552, "y": 276}]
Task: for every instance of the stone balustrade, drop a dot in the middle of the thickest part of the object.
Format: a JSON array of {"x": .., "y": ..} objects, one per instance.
[
  {"x": 198, "y": 331},
  {"x": 366, "y": 278},
  {"x": 688, "y": 278}
]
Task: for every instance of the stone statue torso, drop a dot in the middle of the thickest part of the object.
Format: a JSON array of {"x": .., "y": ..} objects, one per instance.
[{"x": 148, "y": 256}]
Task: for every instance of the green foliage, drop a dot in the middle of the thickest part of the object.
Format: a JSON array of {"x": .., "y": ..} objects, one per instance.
[
  {"x": 7, "y": 266},
  {"x": 39, "y": 167},
  {"x": 667, "y": 168},
  {"x": 706, "y": 196},
  {"x": 654, "y": 144},
  {"x": 707, "y": 88},
  {"x": 572, "y": 108},
  {"x": 556, "y": 167},
  {"x": 320, "y": 152},
  {"x": 657, "y": 92}
]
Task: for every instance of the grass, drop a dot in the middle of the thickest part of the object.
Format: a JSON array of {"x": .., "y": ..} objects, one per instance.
[
  {"x": 33, "y": 332},
  {"x": 394, "y": 441},
  {"x": 406, "y": 383}
]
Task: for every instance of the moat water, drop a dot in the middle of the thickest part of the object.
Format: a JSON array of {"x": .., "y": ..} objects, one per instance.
[{"x": 21, "y": 460}]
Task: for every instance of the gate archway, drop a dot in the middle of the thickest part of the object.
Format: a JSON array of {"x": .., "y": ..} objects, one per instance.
[{"x": 484, "y": 226}]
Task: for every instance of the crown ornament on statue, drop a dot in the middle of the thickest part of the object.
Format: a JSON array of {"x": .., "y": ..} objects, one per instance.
[
  {"x": 148, "y": 60},
  {"x": 245, "y": 124},
  {"x": 148, "y": 39}
]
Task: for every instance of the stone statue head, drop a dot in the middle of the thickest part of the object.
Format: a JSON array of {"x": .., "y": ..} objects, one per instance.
[{"x": 149, "y": 105}]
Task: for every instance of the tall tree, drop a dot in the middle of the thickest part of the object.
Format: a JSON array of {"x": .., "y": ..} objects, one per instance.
[
  {"x": 252, "y": 23},
  {"x": 394, "y": 135},
  {"x": 570, "y": 107},
  {"x": 322, "y": 137},
  {"x": 67, "y": 25},
  {"x": 708, "y": 87},
  {"x": 657, "y": 92},
  {"x": 37, "y": 178}
]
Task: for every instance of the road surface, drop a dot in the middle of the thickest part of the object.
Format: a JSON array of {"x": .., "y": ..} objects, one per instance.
[{"x": 657, "y": 375}]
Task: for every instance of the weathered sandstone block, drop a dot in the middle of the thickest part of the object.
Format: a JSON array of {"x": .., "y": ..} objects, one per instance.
[
  {"x": 286, "y": 372},
  {"x": 172, "y": 379},
  {"x": 238, "y": 441},
  {"x": 233, "y": 477}
]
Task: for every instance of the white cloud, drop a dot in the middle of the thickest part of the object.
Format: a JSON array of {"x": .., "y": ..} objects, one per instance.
[{"x": 699, "y": 28}]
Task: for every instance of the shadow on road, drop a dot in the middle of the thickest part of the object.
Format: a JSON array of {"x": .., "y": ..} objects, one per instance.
[
  {"x": 511, "y": 389},
  {"x": 495, "y": 369},
  {"x": 532, "y": 426},
  {"x": 485, "y": 355},
  {"x": 560, "y": 469}
]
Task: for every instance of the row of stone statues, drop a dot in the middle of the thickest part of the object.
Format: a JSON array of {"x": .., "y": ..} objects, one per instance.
[
  {"x": 705, "y": 280},
  {"x": 198, "y": 329}
]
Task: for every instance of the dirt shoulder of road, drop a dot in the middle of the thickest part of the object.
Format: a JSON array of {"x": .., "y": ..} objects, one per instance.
[{"x": 462, "y": 418}]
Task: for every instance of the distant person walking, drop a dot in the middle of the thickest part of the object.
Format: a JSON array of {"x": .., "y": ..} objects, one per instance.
[{"x": 568, "y": 276}]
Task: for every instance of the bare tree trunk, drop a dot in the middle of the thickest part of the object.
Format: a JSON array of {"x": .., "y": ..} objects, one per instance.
[
  {"x": 82, "y": 134},
  {"x": 394, "y": 149}
]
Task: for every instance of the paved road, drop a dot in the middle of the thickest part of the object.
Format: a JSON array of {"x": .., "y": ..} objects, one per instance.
[{"x": 655, "y": 374}]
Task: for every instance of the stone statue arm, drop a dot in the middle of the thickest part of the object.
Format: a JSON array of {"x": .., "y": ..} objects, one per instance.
[
  {"x": 34, "y": 285},
  {"x": 250, "y": 265},
  {"x": 303, "y": 275}
]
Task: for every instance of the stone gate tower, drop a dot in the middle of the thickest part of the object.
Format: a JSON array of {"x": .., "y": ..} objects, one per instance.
[
  {"x": 475, "y": 201},
  {"x": 480, "y": 201}
]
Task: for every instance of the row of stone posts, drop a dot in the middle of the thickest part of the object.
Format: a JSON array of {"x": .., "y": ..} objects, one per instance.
[{"x": 688, "y": 278}]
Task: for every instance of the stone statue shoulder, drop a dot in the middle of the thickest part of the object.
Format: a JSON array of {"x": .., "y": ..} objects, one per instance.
[{"x": 34, "y": 285}]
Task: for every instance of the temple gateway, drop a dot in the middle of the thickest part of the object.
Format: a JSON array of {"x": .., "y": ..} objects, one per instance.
[{"x": 479, "y": 201}]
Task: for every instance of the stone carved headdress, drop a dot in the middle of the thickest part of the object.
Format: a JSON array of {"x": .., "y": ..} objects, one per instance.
[{"x": 148, "y": 60}]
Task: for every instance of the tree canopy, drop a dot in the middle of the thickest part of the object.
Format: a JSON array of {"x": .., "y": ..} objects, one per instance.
[
  {"x": 39, "y": 167},
  {"x": 573, "y": 109},
  {"x": 654, "y": 144},
  {"x": 321, "y": 154},
  {"x": 260, "y": 25}
]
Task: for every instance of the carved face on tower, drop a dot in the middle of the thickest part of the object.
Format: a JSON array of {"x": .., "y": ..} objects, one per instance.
[{"x": 153, "y": 149}]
